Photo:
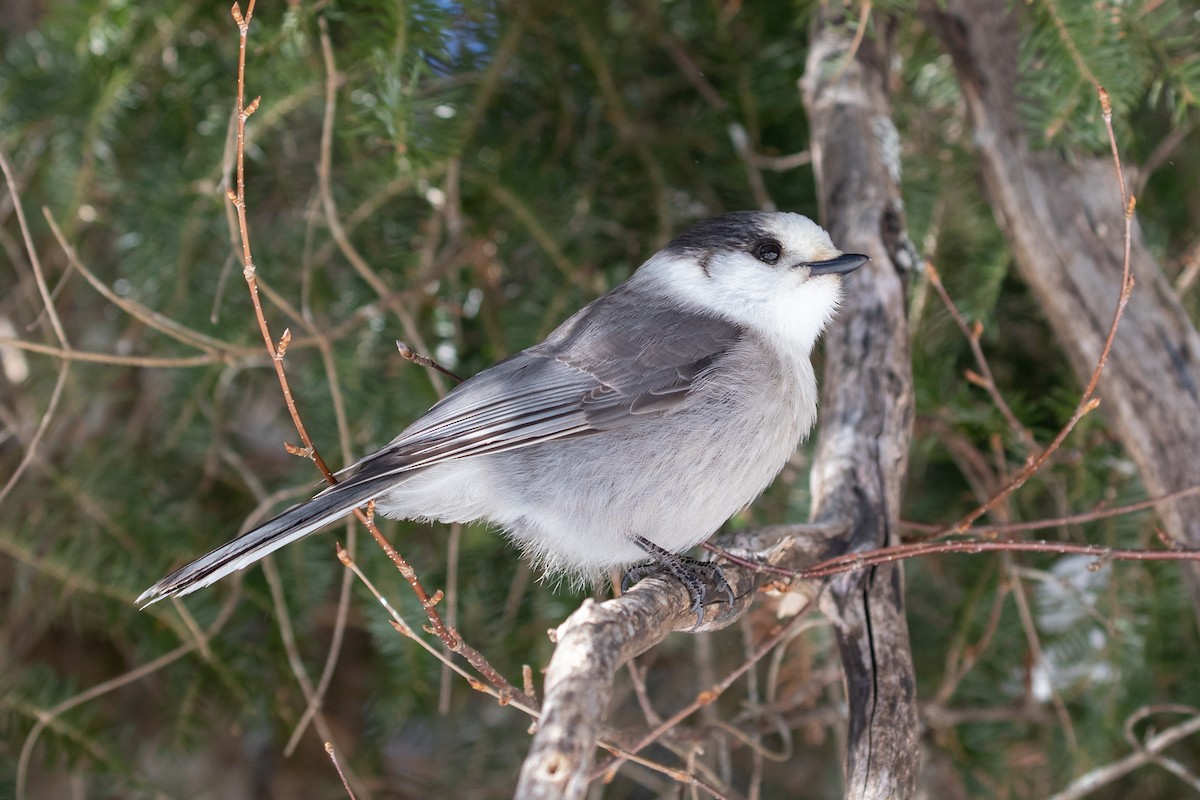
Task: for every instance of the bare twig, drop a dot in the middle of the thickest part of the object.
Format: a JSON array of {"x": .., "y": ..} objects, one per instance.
[
  {"x": 449, "y": 637},
  {"x": 1037, "y": 659},
  {"x": 1191, "y": 270},
  {"x": 59, "y": 331},
  {"x": 591, "y": 645},
  {"x": 290, "y": 647},
  {"x": 596, "y": 60},
  {"x": 408, "y": 354},
  {"x": 402, "y": 626},
  {"x": 1161, "y": 154},
  {"x": 706, "y": 697},
  {"x": 961, "y": 658},
  {"x": 985, "y": 379},
  {"x": 332, "y": 217},
  {"x": 147, "y": 316},
  {"x": 67, "y": 355},
  {"x": 452, "y": 550},
  {"x": 856, "y": 561},
  {"x": 740, "y": 138},
  {"x": 338, "y": 767},
  {"x": 1086, "y": 402},
  {"x": 860, "y": 30},
  {"x": 1058, "y": 522},
  {"x": 45, "y": 718},
  {"x": 1101, "y": 776}
]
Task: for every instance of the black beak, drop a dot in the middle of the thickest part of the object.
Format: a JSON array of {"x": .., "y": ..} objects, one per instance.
[{"x": 843, "y": 264}]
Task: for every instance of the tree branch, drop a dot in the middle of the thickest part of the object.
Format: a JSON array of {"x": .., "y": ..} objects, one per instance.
[{"x": 867, "y": 411}]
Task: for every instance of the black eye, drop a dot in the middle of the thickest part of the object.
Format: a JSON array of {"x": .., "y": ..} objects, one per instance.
[{"x": 768, "y": 252}]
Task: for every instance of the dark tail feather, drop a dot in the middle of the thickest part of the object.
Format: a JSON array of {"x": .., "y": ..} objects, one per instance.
[{"x": 290, "y": 526}]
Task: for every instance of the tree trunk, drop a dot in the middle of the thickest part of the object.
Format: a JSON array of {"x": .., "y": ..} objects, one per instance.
[
  {"x": 867, "y": 409},
  {"x": 1064, "y": 220}
]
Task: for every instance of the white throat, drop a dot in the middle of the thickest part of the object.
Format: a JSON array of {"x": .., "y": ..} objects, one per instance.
[{"x": 788, "y": 308}]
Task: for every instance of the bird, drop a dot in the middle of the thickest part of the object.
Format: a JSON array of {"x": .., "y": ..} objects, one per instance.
[{"x": 630, "y": 434}]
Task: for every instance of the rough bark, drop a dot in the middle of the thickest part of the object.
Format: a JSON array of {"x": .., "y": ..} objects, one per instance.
[
  {"x": 867, "y": 409},
  {"x": 592, "y": 644},
  {"x": 1064, "y": 220}
]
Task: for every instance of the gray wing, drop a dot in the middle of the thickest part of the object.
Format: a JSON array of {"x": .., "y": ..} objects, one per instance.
[{"x": 615, "y": 362}]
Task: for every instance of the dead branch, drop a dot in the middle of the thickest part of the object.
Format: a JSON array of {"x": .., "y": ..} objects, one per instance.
[
  {"x": 593, "y": 643},
  {"x": 867, "y": 410},
  {"x": 1146, "y": 753}
]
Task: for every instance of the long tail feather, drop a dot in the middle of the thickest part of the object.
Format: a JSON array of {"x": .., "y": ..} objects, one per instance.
[{"x": 290, "y": 526}]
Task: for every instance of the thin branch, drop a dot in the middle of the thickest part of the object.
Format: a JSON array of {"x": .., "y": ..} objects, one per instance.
[
  {"x": 343, "y": 603},
  {"x": 1161, "y": 153},
  {"x": 329, "y": 204},
  {"x": 450, "y": 637},
  {"x": 1056, "y": 522},
  {"x": 985, "y": 379},
  {"x": 1099, "y": 777},
  {"x": 402, "y": 626},
  {"x": 408, "y": 354},
  {"x": 960, "y": 658},
  {"x": 48, "y": 304},
  {"x": 706, "y": 697},
  {"x": 45, "y": 718},
  {"x": 284, "y": 621},
  {"x": 338, "y": 767},
  {"x": 1065, "y": 35},
  {"x": 627, "y": 131},
  {"x": 147, "y": 316},
  {"x": 112, "y": 359},
  {"x": 884, "y": 555},
  {"x": 34, "y": 261},
  {"x": 1191, "y": 270},
  {"x": 1086, "y": 403},
  {"x": 1038, "y": 659}
]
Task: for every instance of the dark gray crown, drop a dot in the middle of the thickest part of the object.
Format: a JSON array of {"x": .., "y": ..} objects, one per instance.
[{"x": 738, "y": 230}]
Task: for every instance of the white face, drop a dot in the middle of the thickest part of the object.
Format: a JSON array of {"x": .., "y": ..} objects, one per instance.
[{"x": 752, "y": 269}]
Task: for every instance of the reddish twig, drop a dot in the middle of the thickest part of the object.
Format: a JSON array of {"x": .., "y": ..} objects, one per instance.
[
  {"x": 884, "y": 555},
  {"x": 1070, "y": 519},
  {"x": 984, "y": 378},
  {"x": 450, "y": 638},
  {"x": 1087, "y": 403}
]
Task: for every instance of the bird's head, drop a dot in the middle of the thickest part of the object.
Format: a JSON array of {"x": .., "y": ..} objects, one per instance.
[{"x": 774, "y": 272}]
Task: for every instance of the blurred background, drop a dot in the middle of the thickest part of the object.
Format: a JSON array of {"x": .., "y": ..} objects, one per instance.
[{"x": 478, "y": 171}]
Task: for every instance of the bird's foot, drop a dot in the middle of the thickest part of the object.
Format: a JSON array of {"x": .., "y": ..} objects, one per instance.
[{"x": 695, "y": 575}]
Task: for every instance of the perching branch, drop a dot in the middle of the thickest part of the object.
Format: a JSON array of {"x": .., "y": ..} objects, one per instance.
[{"x": 592, "y": 644}]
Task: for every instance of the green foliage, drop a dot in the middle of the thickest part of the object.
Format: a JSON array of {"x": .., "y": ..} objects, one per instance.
[
  {"x": 497, "y": 166},
  {"x": 1139, "y": 52}
]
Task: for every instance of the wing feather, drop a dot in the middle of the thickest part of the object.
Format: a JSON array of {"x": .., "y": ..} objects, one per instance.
[{"x": 617, "y": 361}]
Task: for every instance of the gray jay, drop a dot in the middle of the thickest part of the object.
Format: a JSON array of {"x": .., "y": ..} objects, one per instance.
[{"x": 633, "y": 431}]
